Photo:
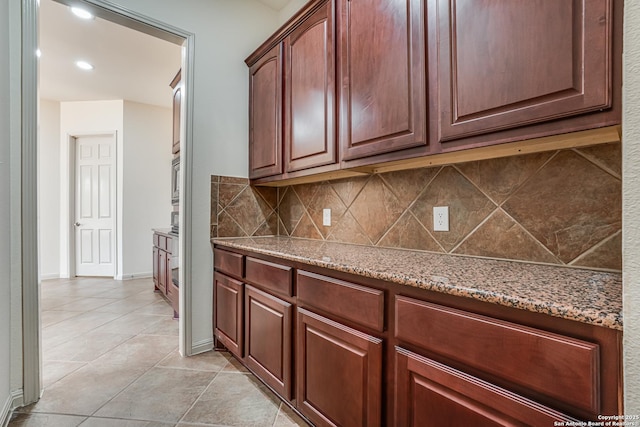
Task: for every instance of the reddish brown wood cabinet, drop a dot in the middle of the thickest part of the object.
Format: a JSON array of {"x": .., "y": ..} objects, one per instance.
[
  {"x": 397, "y": 79},
  {"x": 429, "y": 393},
  {"x": 228, "y": 297},
  {"x": 310, "y": 138},
  {"x": 163, "y": 263},
  {"x": 365, "y": 352},
  {"x": 382, "y": 76},
  {"x": 268, "y": 330},
  {"x": 507, "y": 64},
  {"x": 265, "y": 115},
  {"x": 339, "y": 373}
]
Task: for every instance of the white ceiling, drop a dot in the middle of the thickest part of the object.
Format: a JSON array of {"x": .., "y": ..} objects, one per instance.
[{"x": 128, "y": 64}]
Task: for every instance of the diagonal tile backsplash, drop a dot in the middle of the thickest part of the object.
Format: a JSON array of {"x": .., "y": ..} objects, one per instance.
[{"x": 561, "y": 207}]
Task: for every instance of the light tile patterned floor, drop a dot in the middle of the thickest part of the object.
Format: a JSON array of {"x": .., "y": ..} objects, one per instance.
[{"x": 110, "y": 359}]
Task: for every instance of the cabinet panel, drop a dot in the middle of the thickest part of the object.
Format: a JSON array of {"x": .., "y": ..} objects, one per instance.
[
  {"x": 541, "y": 361},
  {"x": 431, "y": 394},
  {"x": 382, "y": 73},
  {"x": 265, "y": 117},
  {"x": 268, "y": 330},
  {"x": 228, "y": 262},
  {"x": 347, "y": 300},
  {"x": 339, "y": 373},
  {"x": 162, "y": 271},
  {"x": 274, "y": 277},
  {"x": 310, "y": 92},
  {"x": 504, "y": 64},
  {"x": 227, "y": 315},
  {"x": 156, "y": 270}
]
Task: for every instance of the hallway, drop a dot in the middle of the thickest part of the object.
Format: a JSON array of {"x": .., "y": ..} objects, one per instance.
[{"x": 110, "y": 358}]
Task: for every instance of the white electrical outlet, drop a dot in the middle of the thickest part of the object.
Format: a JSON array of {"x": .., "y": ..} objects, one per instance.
[
  {"x": 326, "y": 217},
  {"x": 441, "y": 218}
]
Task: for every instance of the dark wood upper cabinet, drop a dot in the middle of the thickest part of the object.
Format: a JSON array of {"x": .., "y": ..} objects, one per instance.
[
  {"x": 177, "y": 101},
  {"x": 265, "y": 115},
  {"x": 507, "y": 64},
  {"x": 382, "y": 76},
  {"x": 310, "y": 138}
]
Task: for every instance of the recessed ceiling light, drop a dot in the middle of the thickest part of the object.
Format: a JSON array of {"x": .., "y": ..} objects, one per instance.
[
  {"x": 84, "y": 65},
  {"x": 81, "y": 13},
  {"x": 38, "y": 53}
]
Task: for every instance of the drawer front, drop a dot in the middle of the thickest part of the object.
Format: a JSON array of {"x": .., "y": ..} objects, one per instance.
[
  {"x": 162, "y": 242},
  {"x": 274, "y": 277},
  {"x": 228, "y": 262},
  {"x": 156, "y": 240},
  {"x": 563, "y": 368},
  {"x": 431, "y": 394},
  {"x": 346, "y": 300},
  {"x": 168, "y": 244}
]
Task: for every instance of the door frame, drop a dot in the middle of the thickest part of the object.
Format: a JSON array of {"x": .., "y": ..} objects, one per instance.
[
  {"x": 67, "y": 222},
  {"x": 29, "y": 275}
]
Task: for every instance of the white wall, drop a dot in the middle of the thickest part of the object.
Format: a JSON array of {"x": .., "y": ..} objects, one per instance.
[
  {"x": 147, "y": 176},
  {"x": 49, "y": 189},
  {"x": 226, "y": 32},
  {"x": 82, "y": 118},
  {"x": 289, "y": 9},
  {"x": 5, "y": 218},
  {"x": 631, "y": 206},
  {"x": 143, "y": 148}
]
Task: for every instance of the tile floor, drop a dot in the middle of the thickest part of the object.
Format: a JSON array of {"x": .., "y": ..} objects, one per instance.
[{"x": 110, "y": 359}]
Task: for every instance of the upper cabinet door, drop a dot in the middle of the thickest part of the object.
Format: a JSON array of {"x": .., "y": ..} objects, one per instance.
[
  {"x": 382, "y": 76},
  {"x": 309, "y": 92},
  {"x": 265, "y": 117},
  {"x": 506, "y": 63}
]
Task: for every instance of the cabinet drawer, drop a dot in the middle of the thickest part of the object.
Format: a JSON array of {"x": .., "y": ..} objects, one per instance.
[
  {"x": 162, "y": 242},
  {"x": 228, "y": 262},
  {"x": 156, "y": 240},
  {"x": 540, "y": 361},
  {"x": 429, "y": 393},
  {"x": 346, "y": 300},
  {"x": 274, "y": 277}
]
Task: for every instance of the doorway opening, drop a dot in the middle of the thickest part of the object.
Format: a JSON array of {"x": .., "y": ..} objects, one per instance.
[{"x": 104, "y": 247}]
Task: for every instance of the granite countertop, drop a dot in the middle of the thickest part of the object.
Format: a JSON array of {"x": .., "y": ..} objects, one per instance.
[{"x": 586, "y": 296}]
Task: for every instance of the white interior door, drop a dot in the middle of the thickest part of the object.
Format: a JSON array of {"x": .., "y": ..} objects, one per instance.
[{"x": 95, "y": 205}]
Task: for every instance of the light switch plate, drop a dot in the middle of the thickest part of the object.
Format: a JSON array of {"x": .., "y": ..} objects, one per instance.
[
  {"x": 441, "y": 218},
  {"x": 326, "y": 217}
]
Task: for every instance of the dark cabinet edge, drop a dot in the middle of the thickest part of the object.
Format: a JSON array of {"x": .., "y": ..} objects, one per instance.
[{"x": 286, "y": 29}]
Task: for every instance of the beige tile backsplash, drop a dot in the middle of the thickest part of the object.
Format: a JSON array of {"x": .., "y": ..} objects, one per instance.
[{"x": 561, "y": 207}]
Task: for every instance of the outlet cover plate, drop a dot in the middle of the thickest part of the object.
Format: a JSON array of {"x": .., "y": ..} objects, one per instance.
[
  {"x": 326, "y": 217},
  {"x": 441, "y": 218}
]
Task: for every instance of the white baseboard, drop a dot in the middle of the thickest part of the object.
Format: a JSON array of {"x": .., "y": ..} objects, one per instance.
[
  {"x": 50, "y": 276},
  {"x": 202, "y": 346},
  {"x": 134, "y": 276},
  {"x": 14, "y": 400},
  {"x": 5, "y": 412}
]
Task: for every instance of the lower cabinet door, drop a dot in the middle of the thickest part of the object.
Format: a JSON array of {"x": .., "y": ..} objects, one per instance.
[
  {"x": 338, "y": 373},
  {"x": 155, "y": 267},
  {"x": 268, "y": 330},
  {"x": 227, "y": 315},
  {"x": 428, "y": 393},
  {"x": 162, "y": 271}
]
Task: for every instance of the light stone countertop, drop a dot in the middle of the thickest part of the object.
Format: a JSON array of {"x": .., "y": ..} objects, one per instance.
[{"x": 587, "y": 296}]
